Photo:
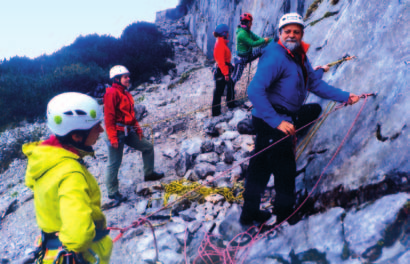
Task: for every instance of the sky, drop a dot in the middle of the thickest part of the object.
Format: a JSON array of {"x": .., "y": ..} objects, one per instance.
[{"x": 34, "y": 27}]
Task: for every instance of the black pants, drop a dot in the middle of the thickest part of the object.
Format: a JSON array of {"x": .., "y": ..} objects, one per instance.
[
  {"x": 279, "y": 160},
  {"x": 220, "y": 84}
]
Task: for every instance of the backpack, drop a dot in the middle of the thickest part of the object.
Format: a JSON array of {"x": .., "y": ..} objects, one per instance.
[{"x": 99, "y": 92}]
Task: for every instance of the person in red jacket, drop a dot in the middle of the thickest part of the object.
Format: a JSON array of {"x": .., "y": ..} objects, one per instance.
[
  {"x": 222, "y": 74},
  {"x": 122, "y": 128}
]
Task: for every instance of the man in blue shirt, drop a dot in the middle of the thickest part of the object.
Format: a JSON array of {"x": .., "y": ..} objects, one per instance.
[{"x": 277, "y": 92}]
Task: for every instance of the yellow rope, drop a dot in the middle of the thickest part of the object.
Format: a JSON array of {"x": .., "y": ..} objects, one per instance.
[
  {"x": 303, "y": 143},
  {"x": 224, "y": 103},
  {"x": 181, "y": 187},
  {"x": 313, "y": 130},
  {"x": 152, "y": 131},
  {"x": 302, "y": 146}
]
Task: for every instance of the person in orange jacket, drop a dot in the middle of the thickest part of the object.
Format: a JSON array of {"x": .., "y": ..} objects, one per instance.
[
  {"x": 222, "y": 74},
  {"x": 122, "y": 128}
]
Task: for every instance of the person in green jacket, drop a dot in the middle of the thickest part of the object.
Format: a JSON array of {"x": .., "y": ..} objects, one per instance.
[
  {"x": 67, "y": 197},
  {"x": 246, "y": 40}
]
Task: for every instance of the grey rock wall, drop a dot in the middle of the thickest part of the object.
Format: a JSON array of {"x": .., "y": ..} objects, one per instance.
[{"x": 377, "y": 33}]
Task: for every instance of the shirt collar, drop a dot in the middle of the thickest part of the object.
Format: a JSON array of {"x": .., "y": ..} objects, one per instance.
[{"x": 305, "y": 47}]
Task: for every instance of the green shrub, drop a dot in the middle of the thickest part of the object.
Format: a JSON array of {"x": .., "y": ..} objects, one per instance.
[
  {"x": 144, "y": 52},
  {"x": 25, "y": 97},
  {"x": 312, "y": 8}
]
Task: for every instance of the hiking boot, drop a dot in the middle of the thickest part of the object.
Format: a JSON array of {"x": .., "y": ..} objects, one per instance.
[
  {"x": 295, "y": 219},
  {"x": 260, "y": 217},
  {"x": 292, "y": 220},
  {"x": 117, "y": 199},
  {"x": 155, "y": 176},
  {"x": 233, "y": 105}
]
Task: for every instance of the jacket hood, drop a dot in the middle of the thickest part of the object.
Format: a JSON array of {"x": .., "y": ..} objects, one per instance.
[{"x": 42, "y": 157}]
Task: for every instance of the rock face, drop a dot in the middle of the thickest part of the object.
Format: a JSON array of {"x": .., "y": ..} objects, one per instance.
[{"x": 334, "y": 29}]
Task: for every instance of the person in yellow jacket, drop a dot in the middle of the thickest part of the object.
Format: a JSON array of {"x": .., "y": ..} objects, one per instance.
[{"x": 67, "y": 197}]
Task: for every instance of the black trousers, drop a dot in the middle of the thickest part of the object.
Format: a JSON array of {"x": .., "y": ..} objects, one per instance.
[
  {"x": 279, "y": 160},
  {"x": 220, "y": 85}
]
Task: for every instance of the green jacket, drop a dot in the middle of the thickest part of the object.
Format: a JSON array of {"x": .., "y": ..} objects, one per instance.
[{"x": 246, "y": 40}]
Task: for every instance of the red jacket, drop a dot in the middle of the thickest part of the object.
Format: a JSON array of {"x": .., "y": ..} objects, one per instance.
[
  {"x": 222, "y": 55},
  {"x": 118, "y": 109}
]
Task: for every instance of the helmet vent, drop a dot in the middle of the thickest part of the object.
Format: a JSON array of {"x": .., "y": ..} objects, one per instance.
[
  {"x": 69, "y": 113},
  {"x": 80, "y": 112}
]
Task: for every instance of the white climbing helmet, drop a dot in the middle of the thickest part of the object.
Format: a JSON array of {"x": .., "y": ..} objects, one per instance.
[
  {"x": 67, "y": 112},
  {"x": 118, "y": 70},
  {"x": 291, "y": 18}
]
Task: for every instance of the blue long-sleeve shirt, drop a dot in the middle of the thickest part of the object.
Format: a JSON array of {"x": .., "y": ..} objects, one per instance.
[{"x": 279, "y": 80}]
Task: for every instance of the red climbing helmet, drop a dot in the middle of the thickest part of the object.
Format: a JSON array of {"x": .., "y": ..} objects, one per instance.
[{"x": 246, "y": 17}]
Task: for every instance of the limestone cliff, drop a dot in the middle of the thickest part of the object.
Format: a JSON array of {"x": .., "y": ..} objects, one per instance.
[{"x": 375, "y": 32}]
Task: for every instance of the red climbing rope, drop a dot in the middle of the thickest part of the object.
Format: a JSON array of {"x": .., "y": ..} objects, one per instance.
[
  {"x": 140, "y": 221},
  {"x": 224, "y": 254}
]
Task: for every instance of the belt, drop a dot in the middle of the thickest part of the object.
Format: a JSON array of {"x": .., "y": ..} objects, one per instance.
[
  {"x": 126, "y": 128},
  {"x": 51, "y": 240},
  {"x": 283, "y": 111}
]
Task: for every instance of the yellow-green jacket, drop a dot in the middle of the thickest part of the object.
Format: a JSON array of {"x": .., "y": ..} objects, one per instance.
[{"x": 67, "y": 198}]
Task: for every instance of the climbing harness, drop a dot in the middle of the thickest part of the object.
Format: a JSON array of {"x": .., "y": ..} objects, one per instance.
[{"x": 50, "y": 248}]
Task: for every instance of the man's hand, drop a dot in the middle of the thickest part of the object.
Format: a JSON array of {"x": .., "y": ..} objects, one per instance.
[
  {"x": 114, "y": 145},
  {"x": 353, "y": 99},
  {"x": 266, "y": 40},
  {"x": 324, "y": 67},
  {"x": 227, "y": 78},
  {"x": 286, "y": 128}
]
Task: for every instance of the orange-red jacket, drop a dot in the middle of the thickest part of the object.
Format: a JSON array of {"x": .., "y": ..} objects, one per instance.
[
  {"x": 118, "y": 109},
  {"x": 222, "y": 55}
]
